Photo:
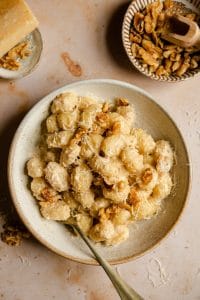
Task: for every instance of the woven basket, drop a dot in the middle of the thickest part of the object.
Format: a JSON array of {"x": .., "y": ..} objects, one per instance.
[{"x": 139, "y": 5}]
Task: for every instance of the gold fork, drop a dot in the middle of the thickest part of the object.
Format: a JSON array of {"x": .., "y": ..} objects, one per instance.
[{"x": 124, "y": 290}]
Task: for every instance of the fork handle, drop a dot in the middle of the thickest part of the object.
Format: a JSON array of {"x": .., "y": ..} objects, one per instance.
[{"x": 124, "y": 290}]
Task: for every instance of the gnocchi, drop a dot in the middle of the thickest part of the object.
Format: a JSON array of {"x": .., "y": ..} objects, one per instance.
[{"x": 97, "y": 170}]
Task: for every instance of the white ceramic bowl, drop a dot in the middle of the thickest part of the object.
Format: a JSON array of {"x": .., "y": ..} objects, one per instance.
[{"x": 145, "y": 234}]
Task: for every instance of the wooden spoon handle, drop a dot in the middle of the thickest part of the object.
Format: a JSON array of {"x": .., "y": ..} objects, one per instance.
[{"x": 124, "y": 290}]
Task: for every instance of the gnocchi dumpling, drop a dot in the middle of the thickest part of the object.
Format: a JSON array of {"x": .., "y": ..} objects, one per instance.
[
  {"x": 58, "y": 139},
  {"x": 68, "y": 120},
  {"x": 84, "y": 221},
  {"x": 35, "y": 167},
  {"x": 84, "y": 102},
  {"x": 121, "y": 235},
  {"x": 88, "y": 116},
  {"x": 122, "y": 217},
  {"x": 85, "y": 198},
  {"x": 146, "y": 209},
  {"x": 112, "y": 145},
  {"x": 81, "y": 178},
  {"x": 118, "y": 192},
  {"x": 58, "y": 211},
  {"x": 133, "y": 161},
  {"x": 102, "y": 232},
  {"x": 164, "y": 156},
  {"x": 38, "y": 184},
  {"x": 145, "y": 142},
  {"x": 51, "y": 124},
  {"x": 128, "y": 113},
  {"x": 118, "y": 124},
  {"x": 112, "y": 170},
  {"x": 70, "y": 200},
  {"x": 163, "y": 187},
  {"x": 90, "y": 145},
  {"x": 56, "y": 176},
  {"x": 148, "y": 179},
  {"x": 69, "y": 155},
  {"x": 64, "y": 102},
  {"x": 98, "y": 204}
]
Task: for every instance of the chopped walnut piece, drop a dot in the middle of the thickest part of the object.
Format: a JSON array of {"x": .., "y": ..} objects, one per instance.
[
  {"x": 13, "y": 234},
  {"x": 139, "y": 22},
  {"x": 147, "y": 176},
  {"x": 102, "y": 119},
  {"x": 122, "y": 102},
  {"x": 11, "y": 59},
  {"x": 105, "y": 107},
  {"x": 133, "y": 200},
  {"x": 50, "y": 195}
]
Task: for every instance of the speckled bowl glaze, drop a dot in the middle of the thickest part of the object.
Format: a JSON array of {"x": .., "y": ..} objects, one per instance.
[
  {"x": 138, "y": 5},
  {"x": 144, "y": 235},
  {"x": 29, "y": 64}
]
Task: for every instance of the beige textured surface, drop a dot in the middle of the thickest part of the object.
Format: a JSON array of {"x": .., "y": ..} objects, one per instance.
[{"x": 89, "y": 31}]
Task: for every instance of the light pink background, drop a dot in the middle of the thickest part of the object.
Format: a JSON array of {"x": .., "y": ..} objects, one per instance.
[{"x": 90, "y": 32}]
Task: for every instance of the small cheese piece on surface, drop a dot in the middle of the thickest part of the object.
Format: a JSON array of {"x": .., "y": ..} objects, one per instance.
[{"x": 16, "y": 22}]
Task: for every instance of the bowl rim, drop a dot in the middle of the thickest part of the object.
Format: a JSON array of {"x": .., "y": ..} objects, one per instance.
[
  {"x": 126, "y": 23},
  {"x": 13, "y": 193}
]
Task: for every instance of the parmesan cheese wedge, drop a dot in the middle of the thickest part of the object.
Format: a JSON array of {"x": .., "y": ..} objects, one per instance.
[{"x": 16, "y": 22}]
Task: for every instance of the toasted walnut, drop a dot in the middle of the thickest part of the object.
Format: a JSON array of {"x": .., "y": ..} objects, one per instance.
[
  {"x": 147, "y": 58},
  {"x": 193, "y": 63},
  {"x": 175, "y": 57},
  {"x": 13, "y": 234},
  {"x": 168, "y": 63},
  {"x": 156, "y": 40},
  {"x": 102, "y": 117},
  {"x": 176, "y": 65},
  {"x": 105, "y": 107},
  {"x": 79, "y": 134},
  {"x": 152, "y": 69},
  {"x": 50, "y": 195},
  {"x": 103, "y": 216},
  {"x": 135, "y": 37},
  {"x": 11, "y": 59},
  {"x": 133, "y": 199},
  {"x": 134, "y": 49},
  {"x": 168, "y": 4},
  {"x": 122, "y": 102},
  {"x": 155, "y": 9},
  {"x": 149, "y": 46},
  {"x": 183, "y": 68},
  {"x": 139, "y": 22},
  {"x": 167, "y": 53},
  {"x": 161, "y": 71},
  {"x": 147, "y": 176},
  {"x": 149, "y": 25}
]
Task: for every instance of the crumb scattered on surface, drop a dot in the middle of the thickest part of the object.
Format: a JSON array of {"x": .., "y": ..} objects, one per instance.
[
  {"x": 11, "y": 60},
  {"x": 73, "y": 67},
  {"x": 13, "y": 234}
]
